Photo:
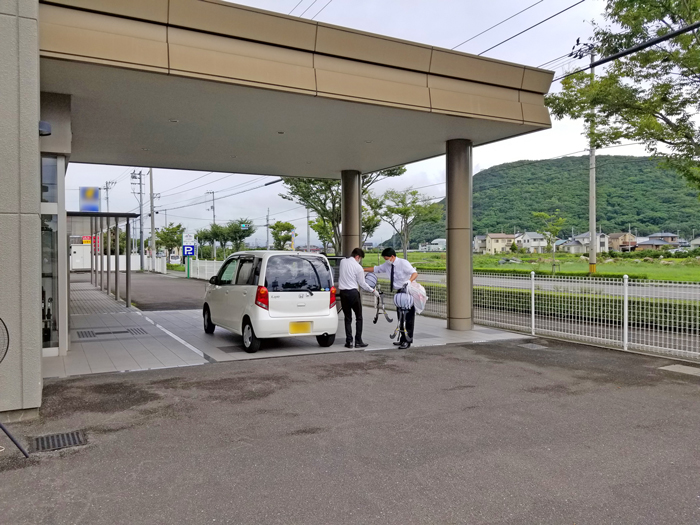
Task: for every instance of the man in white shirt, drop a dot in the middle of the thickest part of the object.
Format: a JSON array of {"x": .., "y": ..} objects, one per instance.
[
  {"x": 351, "y": 276},
  {"x": 401, "y": 272}
]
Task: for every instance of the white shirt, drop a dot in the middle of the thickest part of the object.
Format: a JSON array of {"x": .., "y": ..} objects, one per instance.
[
  {"x": 351, "y": 275},
  {"x": 402, "y": 271}
]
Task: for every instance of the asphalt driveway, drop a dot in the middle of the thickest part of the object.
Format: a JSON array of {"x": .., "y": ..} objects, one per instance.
[
  {"x": 157, "y": 292},
  {"x": 482, "y": 433}
]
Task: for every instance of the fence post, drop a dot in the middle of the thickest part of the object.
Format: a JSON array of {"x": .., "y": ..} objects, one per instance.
[
  {"x": 625, "y": 313},
  {"x": 532, "y": 301}
]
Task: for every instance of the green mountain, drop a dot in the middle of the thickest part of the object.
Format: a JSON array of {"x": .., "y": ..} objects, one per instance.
[{"x": 631, "y": 191}]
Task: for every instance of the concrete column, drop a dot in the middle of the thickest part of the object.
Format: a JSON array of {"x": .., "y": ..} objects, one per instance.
[
  {"x": 101, "y": 254},
  {"x": 459, "y": 234},
  {"x": 92, "y": 250},
  {"x": 127, "y": 298},
  {"x": 20, "y": 258},
  {"x": 116, "y": 259},
  {"x": 351, "y": 212},
  {"x": 109, "y": 254}
]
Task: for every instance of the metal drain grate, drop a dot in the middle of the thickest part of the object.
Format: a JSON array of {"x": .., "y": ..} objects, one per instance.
[
  {"x": 137, "y": 331},
  {"x": 85, "y": 334},
  {"x": 58, "y": 441}
]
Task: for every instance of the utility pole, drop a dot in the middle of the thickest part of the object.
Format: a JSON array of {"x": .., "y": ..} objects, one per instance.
[
  {"x": 308, "y": 232},
  {"x": 592, "y": 259},
  {"x": 267, "y": 224},
  {"x": 140, "y": 179},
  {"x": 108, "y": 186},
  {"x": 213, "y": 211},
  {"x": 153, "y": 223}
]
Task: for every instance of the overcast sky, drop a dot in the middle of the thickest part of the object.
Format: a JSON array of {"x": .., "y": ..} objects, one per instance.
[{"x": 443, "y": 23}]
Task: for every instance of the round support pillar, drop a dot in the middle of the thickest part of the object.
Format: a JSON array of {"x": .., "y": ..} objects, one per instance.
[
  {"x": 351, "y": 210},
  {"x": 459, "y": 234}
]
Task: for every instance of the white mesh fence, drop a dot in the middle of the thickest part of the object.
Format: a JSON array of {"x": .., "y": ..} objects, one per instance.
[{"x": 204, "y": 270}]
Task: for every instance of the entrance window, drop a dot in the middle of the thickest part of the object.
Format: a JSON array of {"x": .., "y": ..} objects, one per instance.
[
  {"x": 49, "y": 179},
  {"x": 49, "y": 280}
]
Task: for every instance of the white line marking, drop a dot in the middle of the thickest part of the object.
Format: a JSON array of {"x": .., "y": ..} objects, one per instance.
[
  {"x": 682, "y": 369},
  {"x": 178, "y": 339}
]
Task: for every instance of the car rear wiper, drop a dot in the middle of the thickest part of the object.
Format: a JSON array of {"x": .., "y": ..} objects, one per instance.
[{"x": 307, "y": 289}]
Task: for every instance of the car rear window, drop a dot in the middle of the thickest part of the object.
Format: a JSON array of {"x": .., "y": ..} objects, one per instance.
[{"x": 297, "y": 272}]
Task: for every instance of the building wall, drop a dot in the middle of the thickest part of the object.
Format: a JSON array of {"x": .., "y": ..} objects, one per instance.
[{"x": 20, "y": 289}]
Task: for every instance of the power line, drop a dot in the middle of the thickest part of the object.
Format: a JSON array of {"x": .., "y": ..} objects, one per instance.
[
  {"x": 189, "y": 182},
  {"x": 329, "y": 3},
  {"x": 555, "y": 59},
  {"x": 498, "y": 24},
  {"x": 225, "y": 196},
  {"x": 532, "y": 27},
  {"x": 212, "y": 182},
  {"x": 298, "y": 4},
  {"x": 305, "y": 10},
  {"x": 638, "y": 47}
]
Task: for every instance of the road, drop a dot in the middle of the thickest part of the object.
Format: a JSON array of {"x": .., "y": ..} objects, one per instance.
[{"x": 482, "y": 433}]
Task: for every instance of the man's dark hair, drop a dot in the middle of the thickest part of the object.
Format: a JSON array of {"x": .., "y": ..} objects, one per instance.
[
  {"x": 358, "y": 251},
  {"x": 389, "y": 252}
]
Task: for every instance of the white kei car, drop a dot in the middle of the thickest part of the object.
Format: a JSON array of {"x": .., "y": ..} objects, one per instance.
[{"x": 266, "y": 294}]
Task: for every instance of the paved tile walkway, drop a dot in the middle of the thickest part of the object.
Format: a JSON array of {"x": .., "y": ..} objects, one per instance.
[{"x": 108, "y": 337}]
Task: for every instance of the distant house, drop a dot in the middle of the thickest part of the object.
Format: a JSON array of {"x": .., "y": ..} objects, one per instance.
[
  {"x": 499, "y": 242},
  {"x": 670, "y": 238},
  {"x": 438, "y": 245},
  {"x": 533, "y": 242},
  {"x": 559, "y": 243},
  {"x": 480, "y": 244},
  {"x": 653, "y": 244},
  {"x": 695, "y": 243},
  {"x": 585, "y": 240},
  {"x": 573, "y": 246},
  {"x": 622, "y": 242},
  {"x": 683, "y": 243}
]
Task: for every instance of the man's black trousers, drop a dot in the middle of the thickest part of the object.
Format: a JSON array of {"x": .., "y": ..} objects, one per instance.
[
  {"x": 410, "y": 323},
  {"x": 351, "y": 302}
]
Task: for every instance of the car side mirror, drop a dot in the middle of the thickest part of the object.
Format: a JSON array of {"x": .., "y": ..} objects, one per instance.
[{"x": 213, "y": 280}]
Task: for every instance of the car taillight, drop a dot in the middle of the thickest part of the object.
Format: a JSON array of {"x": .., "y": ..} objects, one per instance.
[
  {"x": 332, "y": 305},
  {"x": 262, "y": 298}
]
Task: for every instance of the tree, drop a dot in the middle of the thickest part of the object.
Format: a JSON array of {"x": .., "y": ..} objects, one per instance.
[
  {"x": 404, "y": 209},
  {"x": 281, "y": 234},
  {"x": 651, "y": 96},
  {"x": 204, "y": 238},
  {"x": 237, "y": 234},
  {"x": 323, "y": 231},
  {"x": 550, "y": 226},
  {"x": 170, "y": 237},
  {"x": 514, "y": 247},
  {"x": 219, "y": 234},
  {"x": 324, "y": 197},
  {"x": 371, "y": 215}
]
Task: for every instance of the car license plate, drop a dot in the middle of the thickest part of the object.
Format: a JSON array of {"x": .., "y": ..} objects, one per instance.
[{"x": 300, "y": 327}]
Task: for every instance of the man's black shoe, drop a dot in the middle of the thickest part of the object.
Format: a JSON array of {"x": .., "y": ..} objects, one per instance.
[
  {"x": 404, "y": 346},
  {"x": 348, "y": 345},
  {"x": 361, "y": 345}
]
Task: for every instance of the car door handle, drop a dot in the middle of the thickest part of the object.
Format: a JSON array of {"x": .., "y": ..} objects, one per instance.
[{"x": 301, "y": 304}]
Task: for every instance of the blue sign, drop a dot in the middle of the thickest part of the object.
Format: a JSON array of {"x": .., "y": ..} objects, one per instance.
[
  {"x": 188, "y": 251},
  {"x": 90, "y": 199}
]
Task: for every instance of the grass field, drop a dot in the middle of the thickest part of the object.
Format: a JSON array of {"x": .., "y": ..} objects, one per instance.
[{"x": 666, "y": 269}]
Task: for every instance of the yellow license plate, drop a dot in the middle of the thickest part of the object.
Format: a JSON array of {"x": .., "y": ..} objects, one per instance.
[{"x": 300, "y": 327}]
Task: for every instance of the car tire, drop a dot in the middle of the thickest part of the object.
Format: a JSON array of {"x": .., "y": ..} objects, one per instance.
[
  {"x": 208, "y": 325},
  {"x": 251, "y": 343},
  {"x": 325, "y": 340}
]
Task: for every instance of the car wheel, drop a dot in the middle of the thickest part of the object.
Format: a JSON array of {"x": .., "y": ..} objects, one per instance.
[
  {"x": 208, "y": 325},
  {"x": 251, "y": 343},
  {"x": 325, "y": 340}
]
